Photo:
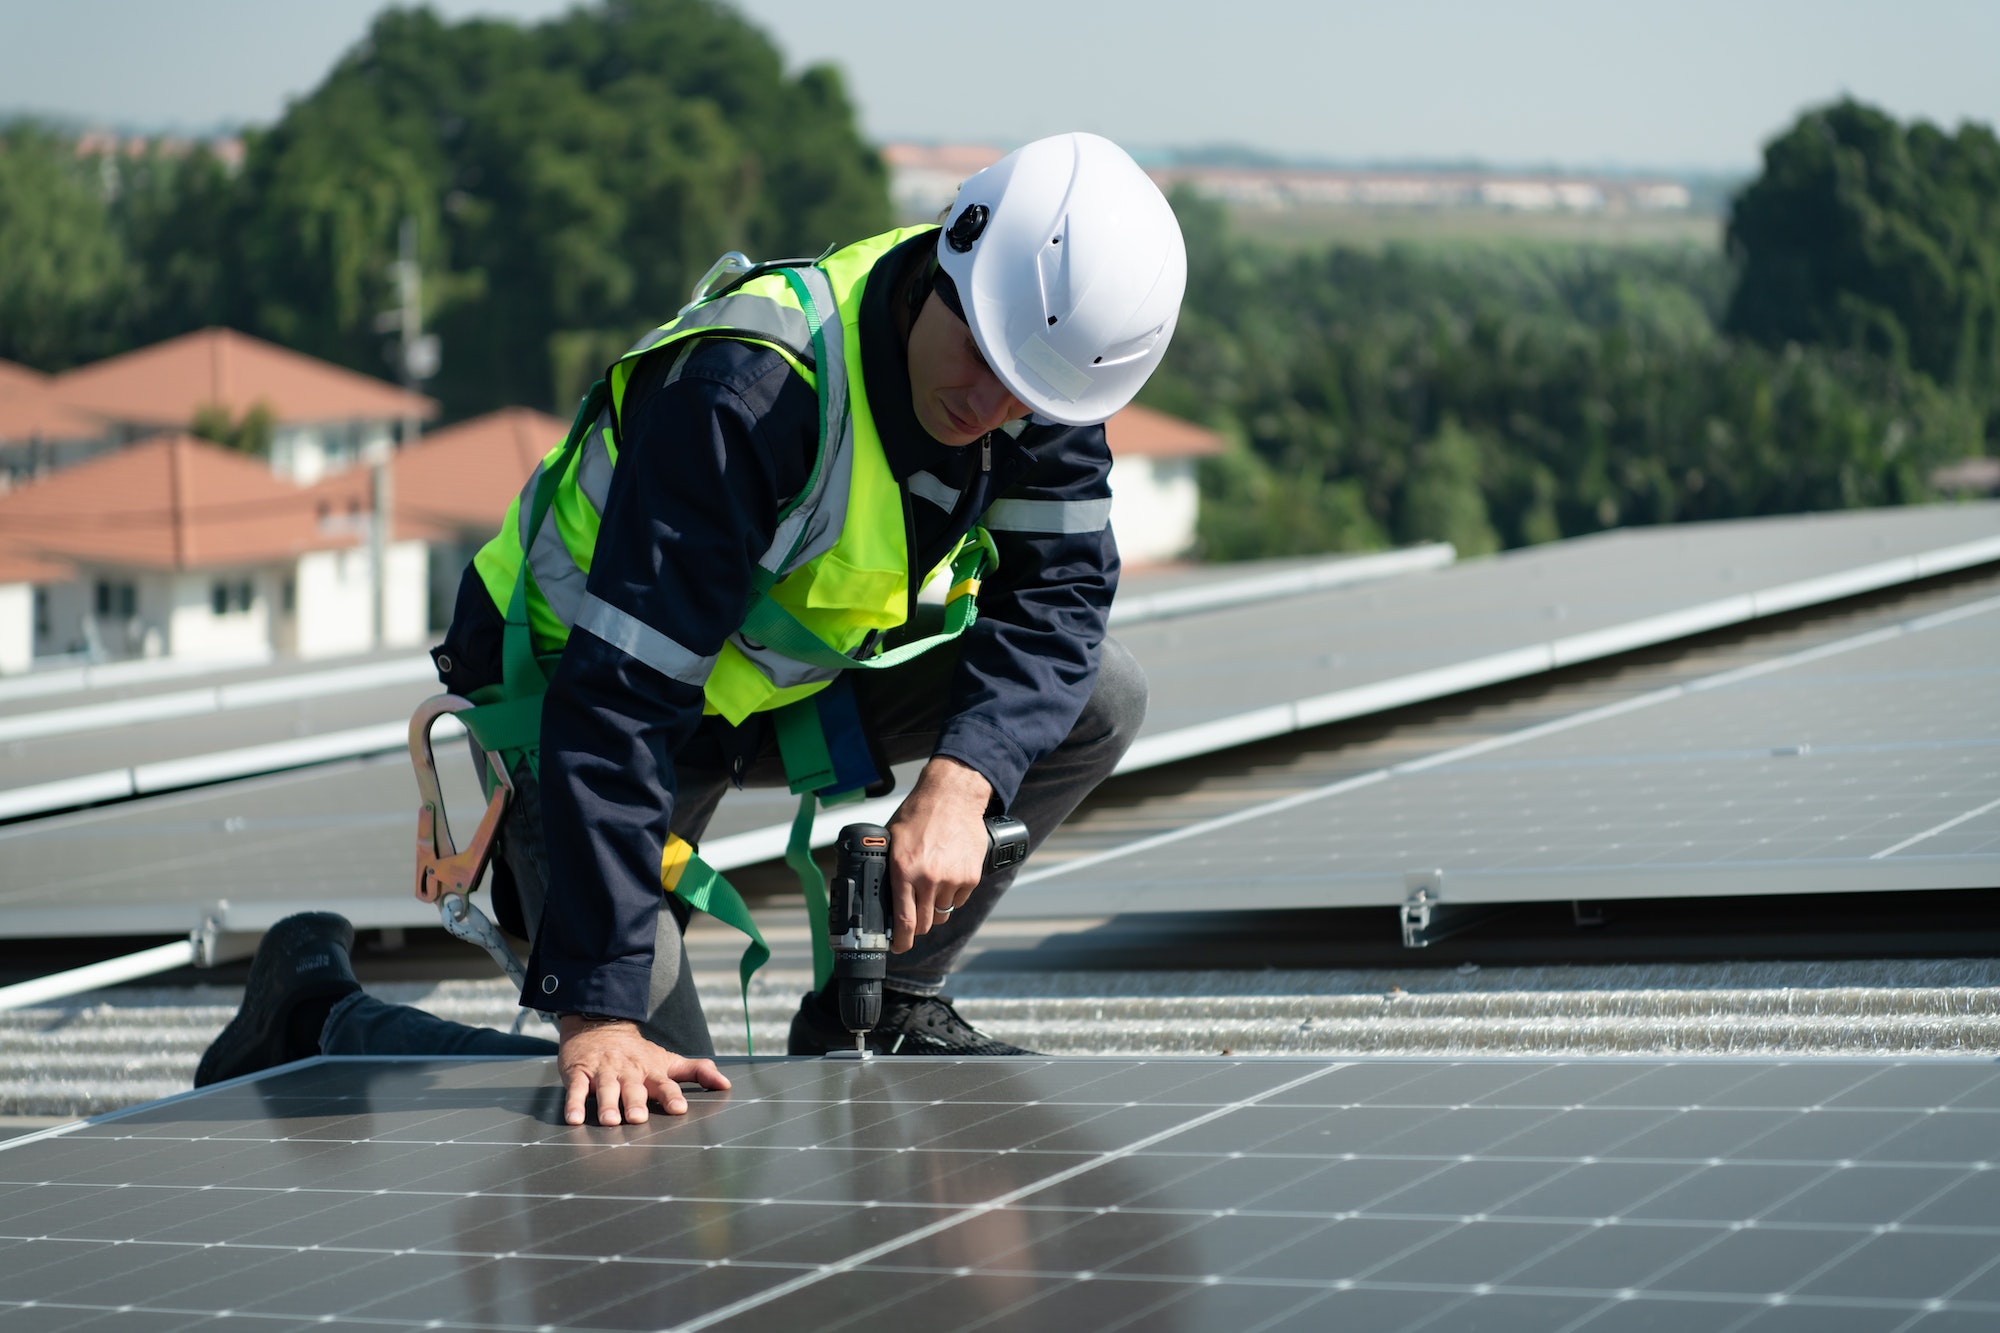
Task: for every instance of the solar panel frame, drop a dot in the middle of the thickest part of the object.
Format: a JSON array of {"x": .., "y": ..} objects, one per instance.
[{"x": 1392, "y": 1194}]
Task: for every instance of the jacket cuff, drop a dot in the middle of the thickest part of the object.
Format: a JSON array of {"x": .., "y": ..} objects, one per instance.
[
  {"x": 617, "y": 989},
  {"x": 992, "y": 753}
]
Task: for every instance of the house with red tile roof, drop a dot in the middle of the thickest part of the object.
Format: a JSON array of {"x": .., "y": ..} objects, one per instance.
[
  {"x": 22, "y": 578},
  {"x": 39, "y": 431},
  {"x": 1155, "y": 498},
  {"x": 178, "y": 547},
  {"x": 452, "y": 488},
  {"x": 324, "y": 417}
]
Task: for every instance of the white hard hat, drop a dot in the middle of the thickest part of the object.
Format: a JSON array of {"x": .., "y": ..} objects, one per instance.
[{"x": 1069, "y": 268}]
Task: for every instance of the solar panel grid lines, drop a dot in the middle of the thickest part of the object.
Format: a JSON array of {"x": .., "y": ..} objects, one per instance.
[
  {"x": 1869, "y": 762},
  {"x": 1404, "y": 1195}
]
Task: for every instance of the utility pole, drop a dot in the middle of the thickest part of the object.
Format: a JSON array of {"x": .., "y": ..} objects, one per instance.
[{"x": 415, "y": 355}]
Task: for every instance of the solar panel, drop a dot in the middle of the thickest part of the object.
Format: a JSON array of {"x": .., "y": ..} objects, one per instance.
[
  {"x": 1498, "y": 1195},
  {"x": 338, "y": 838},
  {"x": 1220, "y": 678},
  {"x": 1868, "y": 763}
]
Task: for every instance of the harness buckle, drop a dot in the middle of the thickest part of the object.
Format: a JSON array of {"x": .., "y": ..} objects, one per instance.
[{"x": 442, "y": 868}]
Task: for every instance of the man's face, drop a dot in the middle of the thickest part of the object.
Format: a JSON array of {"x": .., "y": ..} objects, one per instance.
[{"x": 956, "y": 397}]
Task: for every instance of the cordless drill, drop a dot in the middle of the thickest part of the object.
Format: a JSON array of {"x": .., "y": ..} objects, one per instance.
[{"x": 858, "y": 914}]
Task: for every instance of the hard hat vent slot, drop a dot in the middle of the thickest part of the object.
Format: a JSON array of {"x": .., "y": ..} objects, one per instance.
[{"x": 1131, "y": 348}]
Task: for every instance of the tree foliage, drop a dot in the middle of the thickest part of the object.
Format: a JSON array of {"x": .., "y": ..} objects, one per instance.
[
  {"x": 1505, "y": 397},
  {"x": 1863, "y": 233},
  {"x": 569, "y": 181},
  {"x": 63, "y": 263}
]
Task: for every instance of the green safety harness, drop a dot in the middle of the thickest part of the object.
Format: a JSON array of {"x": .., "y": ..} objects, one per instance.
[{"x": 507, "y": 718}]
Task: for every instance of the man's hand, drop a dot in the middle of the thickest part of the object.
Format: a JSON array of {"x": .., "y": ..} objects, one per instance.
[
  {"x": 937, "y": 847},
  {"x": 612, "y": 1059}
]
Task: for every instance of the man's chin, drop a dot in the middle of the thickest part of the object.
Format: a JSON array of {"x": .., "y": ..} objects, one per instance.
[{"x": 940, "y": 427}]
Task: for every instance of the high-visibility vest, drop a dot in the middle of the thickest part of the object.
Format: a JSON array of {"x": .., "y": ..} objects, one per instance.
[
  {"x": 839, "y": 564},
  {"x": 836, "y": 574}
]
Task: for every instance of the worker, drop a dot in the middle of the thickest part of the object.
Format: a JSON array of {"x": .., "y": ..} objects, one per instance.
[{"x": 956, "y": 386}]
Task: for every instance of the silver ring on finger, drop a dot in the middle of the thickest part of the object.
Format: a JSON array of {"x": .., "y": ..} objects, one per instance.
[{"x": 943, "y": 911}]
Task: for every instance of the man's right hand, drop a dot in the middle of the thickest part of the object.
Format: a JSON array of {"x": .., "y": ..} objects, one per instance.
[{"x": 609, "y": 1057}]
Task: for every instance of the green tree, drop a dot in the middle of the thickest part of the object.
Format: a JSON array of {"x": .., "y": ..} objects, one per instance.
[
  {"x": 570, "y": 181},
  {"x": 1864, "y": 233},
  {"x": 64, "y": 268}
]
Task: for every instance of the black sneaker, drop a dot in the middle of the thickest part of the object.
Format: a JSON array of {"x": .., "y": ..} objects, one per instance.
[
  {"x": 911, "y": 1025},
  {"x": 301, "y": 970}
]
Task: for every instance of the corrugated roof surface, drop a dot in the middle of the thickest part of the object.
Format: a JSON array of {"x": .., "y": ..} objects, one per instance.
[
  {"x": 1140, "y": 432},
  {"x": 175, "y": 502},
  {"x": 165, "y": 384}
]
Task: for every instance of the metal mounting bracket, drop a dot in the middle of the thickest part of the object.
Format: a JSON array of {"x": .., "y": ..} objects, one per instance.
[{"x": 1426, "y": 919}]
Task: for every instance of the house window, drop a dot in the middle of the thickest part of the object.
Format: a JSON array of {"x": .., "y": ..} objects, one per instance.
[
  {"x": 224, "y": 598},
  {"x": 290, "y": 596},
  {"x": 119, "y": 599},
  {"x": 42, "y": 628}
]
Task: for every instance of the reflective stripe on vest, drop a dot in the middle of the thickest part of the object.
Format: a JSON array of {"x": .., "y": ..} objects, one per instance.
[
  {"x": 1064, "y": 516},
  {"x": 928, "y": 487},
  {"x": 845, "y": 579}
]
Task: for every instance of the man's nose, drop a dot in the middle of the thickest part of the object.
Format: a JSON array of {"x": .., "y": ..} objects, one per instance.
[{"x": 991, "y": 402}]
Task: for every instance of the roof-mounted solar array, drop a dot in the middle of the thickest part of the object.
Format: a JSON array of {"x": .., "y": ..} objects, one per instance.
[
  {"x": 1511, "y": 1196},
  {"x": 1868, "y": 763},
  {"x": 1221, "y": 677}
]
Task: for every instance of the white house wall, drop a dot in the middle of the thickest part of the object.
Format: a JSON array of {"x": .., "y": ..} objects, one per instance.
[
  {"x": 305, "y": 453},
  {"x": 334, "y": 601},
  {"x": 195, "y": 630},
  {"x": 17, "y": 627},
  {"x": 1154, "y": 502},
  {"x": 407, "y": 619},
  {"x": 66, "y": 606}
]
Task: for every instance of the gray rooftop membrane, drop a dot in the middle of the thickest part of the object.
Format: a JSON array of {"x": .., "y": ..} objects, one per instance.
[
  {"x": 1868, "y": 763},
  {"x": 1511, "y": 1196}
]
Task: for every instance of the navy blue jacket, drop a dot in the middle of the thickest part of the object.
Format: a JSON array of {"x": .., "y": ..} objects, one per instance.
[{"x": 705, "y": 464}]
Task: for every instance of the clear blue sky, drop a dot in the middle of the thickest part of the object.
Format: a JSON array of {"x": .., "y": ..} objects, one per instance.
[{"x": 1693, "y": 83}]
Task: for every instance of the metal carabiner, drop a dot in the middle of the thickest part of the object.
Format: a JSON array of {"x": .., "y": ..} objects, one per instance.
[{"x": 441, "y": 867}]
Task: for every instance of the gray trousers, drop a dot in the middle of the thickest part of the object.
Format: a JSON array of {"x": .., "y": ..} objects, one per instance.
[{"x": 905, "y": 709}]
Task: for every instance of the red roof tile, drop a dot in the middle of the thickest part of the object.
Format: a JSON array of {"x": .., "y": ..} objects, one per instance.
[
  {"x": 35, "y": 411},
  {"x": 167, "y": 383},
  {"x": 14, "y": 375},
  {"x": 173, "y": 502},
  {"x": 1140, "y": 432},
  {"x": 18, "y": 566}
]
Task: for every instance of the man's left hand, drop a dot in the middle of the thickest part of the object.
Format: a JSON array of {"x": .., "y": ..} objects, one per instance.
[{"x": 937, "y": 847}]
